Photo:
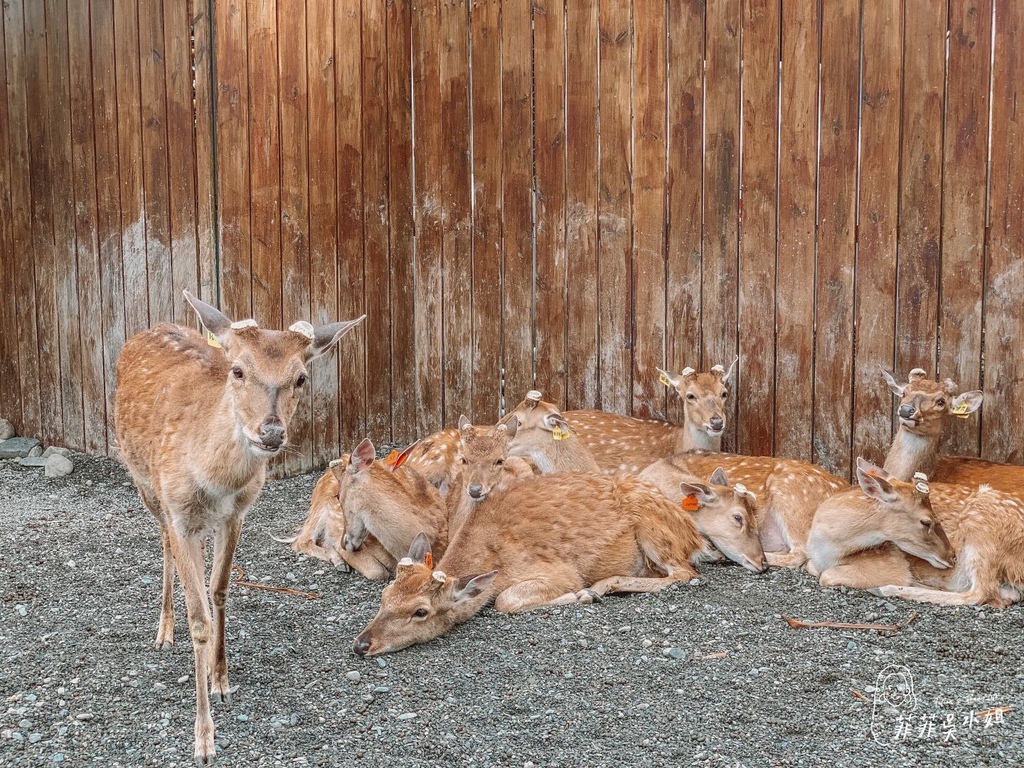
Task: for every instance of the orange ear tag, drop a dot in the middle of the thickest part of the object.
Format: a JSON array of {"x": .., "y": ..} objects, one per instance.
[
  {"x": 664, "y": 379},
  {"x": 212, "y": 341},
  {"x": 392, "y": 458},
  {"x": 428, "y": 560},
  {"x": 559, "y": 432},
  {"x": 690, "y": 503},
  {"x": 962, "y": 411}
]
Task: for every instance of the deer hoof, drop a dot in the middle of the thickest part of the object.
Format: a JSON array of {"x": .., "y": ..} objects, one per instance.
[
  {"x": 163, "y": 645},
  {"x": 588, "y": 597},
  {"x": 224, "y": 696}
]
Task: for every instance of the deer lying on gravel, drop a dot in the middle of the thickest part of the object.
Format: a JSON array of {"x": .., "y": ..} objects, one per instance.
[
  {"x": 984, "y": 527},
  {"x": 924, "y": 410},
  {"x": 627, "y": 444},
  {"x": 196, "y": 425},
  {"x": 546, "y": 540}
]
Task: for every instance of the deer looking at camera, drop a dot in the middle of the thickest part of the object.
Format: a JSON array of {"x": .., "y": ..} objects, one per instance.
[
  {"x": 546, "y": 540},
  {"x": 925, "y": 409},
  {"x": 900, "y": 539},
  {"x": 627, "y": 444},
  {"x": 196, "y": 425}
]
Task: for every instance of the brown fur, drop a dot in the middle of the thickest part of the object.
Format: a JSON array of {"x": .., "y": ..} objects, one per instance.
[
  {"x": 547, "y": 539},
  {"x": 196, "y": 426}
]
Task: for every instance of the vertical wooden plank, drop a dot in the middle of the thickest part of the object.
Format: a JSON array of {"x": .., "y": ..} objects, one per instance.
[
  {"x": 233, "y": 186},
  {"x": 581, "y": 192},
  {"x": 375, "y": 130},
  {"x": 181, "y": 158},
  {"x": 265, "y": 185},
  {"x": 648, "y": 395},
  {"x": 155, "y": 172},
  {"x": 10, "y": 392},
  {"x": 351, "y": 296},
  {"x": 430, "y": 363},
  {"x": 755, "y": 388},
  {"x": 1003, "y": 412},
  {"x": 487, "y": 148},
  {"x": 295, "y": 268},
  {"x": 456, "y": 206},
  {"x": 202, "y": 46},
  {"x": 90, "y": 302},
  {"x": 917, "y": 286},
  {"x": 517, "y": 185},
  {"x": 400, "y": 223},
  {"x": 964, "y": 180},
  {"x": 721, "y": 193},
  {"x": 882, "y": 30},
  {"x": 837, "y": 197},
  {"x": 615, "y": 214},
  {"x": 108, "y": 201},
  {"x": 24, "y": 406},
  {"x": 129, "y": 134},
  {"x": 798, "y": 177},
  {"x": 41, "y": 144},
  {"x": 323, "y": 215},
  {"x": 685, "y": 193},
  {"x": 549, "y": 150}
]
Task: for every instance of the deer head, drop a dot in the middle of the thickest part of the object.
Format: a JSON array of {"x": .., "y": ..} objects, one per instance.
[
  {"x": 482, "y": 456},
  {"x": 725, "y": 515},
  {"x": 704, "y": 395},
  {"x": 925, "y": 405},
  {"x": 421, "y": 603},
  {"x": 908, "y": 520}
]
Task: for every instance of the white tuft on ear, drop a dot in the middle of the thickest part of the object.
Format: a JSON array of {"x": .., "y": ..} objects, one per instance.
[
  {"x": 440, "y": 576},
  {"x": 687, "y": 372},
  {"x": 533, "y": 396},
  {"x": 304, "y": 328},
  {"x": 922, "y": 488},
  {"x": 718, "y": 368},
  {"x": 335, "y": 462},
  {"x": 920, "y": 477},
  {"x": 917, "y": 373},
  {"x": 406, "y": 561},
  {"x": 240, "y": 324}
]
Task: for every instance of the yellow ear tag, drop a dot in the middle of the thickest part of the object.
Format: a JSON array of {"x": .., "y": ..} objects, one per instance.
[
  {"x": 664, "y": 379},
  {"x": 212, "y": 341},
  {"x": 559, "y": 432},
  {"x": 962, "y": 411},
  {"x": 690, "y": 503},
  {"x": 428, "y": 560}
]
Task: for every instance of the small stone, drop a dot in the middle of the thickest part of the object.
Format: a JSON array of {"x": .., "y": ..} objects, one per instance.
[
  {"x": 406, "y": 716},
  {"x": 673, "y": 653},
  {"x": 58, "y": 757},
  {"x": 56, "y": 449},
  {"x": 354, "y": 676},
  {"x": 22, "y": 610},
  {"x": 381, "y": 663},
  {"x": 83, "y": 717},
  {"x": 17, "y": 447},
  {"x": 35, "y": 738},
  {"x": 381, "y": 689},
  {"x": 242, "y": 718},
  {"x": 6, "y": 429},
  {"x": 59, "y": 466},
  {"x": 183, "y": 679},
  {"x": 32, "y": 461},
  {"x": 36, "y": 452}
]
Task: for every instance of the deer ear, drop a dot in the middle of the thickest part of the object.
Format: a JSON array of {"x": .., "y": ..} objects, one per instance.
[
  {"x": 704, "y": 494},
  {"x": 666, "y": 378},
  {"x": 215, "y": 321},
  {"x": 967, "y": 402},
  {"x": 898, "y": 388},
  {"x": 553, "y": 420},
  {"x": 718, "y": 477},
  {"x": 468, "y": 587},
  {"x": 363, "y": 456},
  {"x": 339, "y": 465},
  {"x": 510, "y": 427},
  {"x": 400, "y": 457},
  {"x": 875, "y": 486},
  {"x": 419, "y": 550},
  {"x": 464, "y": 424},
  {"x": 322, "y": 339},
  {"x": 865, "y": 466},
  {"x": 727, "y": 377}
]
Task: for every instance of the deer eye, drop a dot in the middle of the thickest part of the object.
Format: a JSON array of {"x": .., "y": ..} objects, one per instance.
[
  {"x": 461, "y": 459},
  {"x": 236, "y": 372},
  {"x": 725, "y": 395},
  {"x": 941, "y": 402},
  {"x": 738, "y": 518},
  {"x": 301, "y": 380},
  {"x": 691, "y": 397},
  {"x": 499, "y": 462},
  {"x": 419, "y": 613},
  {"x": 926, "y": 523}
]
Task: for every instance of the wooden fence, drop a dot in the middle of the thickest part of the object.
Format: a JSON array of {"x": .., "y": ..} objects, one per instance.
[{"x": 549, "y": 194}]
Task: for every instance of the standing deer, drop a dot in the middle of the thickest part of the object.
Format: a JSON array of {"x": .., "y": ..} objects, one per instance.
[
  {"x": 546, "y": 540},
  {"x": 196, "y": 425},
  {"x": 925, "y": 408}
]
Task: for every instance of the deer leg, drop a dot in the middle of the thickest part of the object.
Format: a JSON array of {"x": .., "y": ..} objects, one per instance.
[
  {"x": 535, "y": 593},
  {"x": 220, "y": 579},
  {"x": 793, "y": 559},
  {"x": 165, "y": 634},
  {"x": 628, "y": 584},
  {"x": 188, "y": 561}
]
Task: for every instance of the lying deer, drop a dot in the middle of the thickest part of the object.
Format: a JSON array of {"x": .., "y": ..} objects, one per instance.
[
  {"x": 627, "y": 444},
  {"x": 546, "y": 540},
  {"x": 196, "y": 425},
  {"x": 924, "y": 410},
  {"x": 984, "y": 527},
  {"x": 365, "y": 513}
]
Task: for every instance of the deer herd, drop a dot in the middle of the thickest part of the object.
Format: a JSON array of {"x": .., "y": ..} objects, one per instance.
[{"x": 546, "y": 507}]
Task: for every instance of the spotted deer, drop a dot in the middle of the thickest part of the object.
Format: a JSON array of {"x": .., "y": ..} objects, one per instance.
[
  {"x": 628, "y": 444},
  {"x": 196, "y": 424},
  {"x": 926, "y": 526},
  {"x": 365, "y": 513},
  {"x": 925, "y": 409},
  {"x": 546, "y": 540}
]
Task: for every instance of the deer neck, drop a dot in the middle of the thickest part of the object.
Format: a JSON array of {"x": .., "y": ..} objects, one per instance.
[
  {"x": 220, "y": 452},
  {"x": 911, "y": 453},
  {"x": 694, "y": 438},
  {"x": 398, "y": 508},
  {"x": 843, "y": 532}
]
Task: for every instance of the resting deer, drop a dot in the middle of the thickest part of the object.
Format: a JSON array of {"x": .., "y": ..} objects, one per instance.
[
  {"x": 627, "y": 444},
  {"x": 365, "y": 513},
  {"x": 196, "y": 425},
  {"x": 924, "y": 410},
  {"x": 985, "y": 529},
  {"x": 546, "y": 540}
]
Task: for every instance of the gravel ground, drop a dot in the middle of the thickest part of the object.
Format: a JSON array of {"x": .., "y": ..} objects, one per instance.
[{"x": 706, "y": 675}]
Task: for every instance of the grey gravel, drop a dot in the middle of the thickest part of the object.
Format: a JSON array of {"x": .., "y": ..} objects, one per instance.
[{"x": 706, "y": 675}]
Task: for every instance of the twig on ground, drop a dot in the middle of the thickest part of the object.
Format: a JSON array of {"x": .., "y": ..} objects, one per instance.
[
  {"x": 239, "y": 574},
  {"x": 798, "y": 624}
]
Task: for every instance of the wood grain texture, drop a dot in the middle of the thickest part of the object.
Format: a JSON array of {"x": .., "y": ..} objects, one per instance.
[
  {"x": 10, "y": 390},
  {"x": 201, "y": 25}
]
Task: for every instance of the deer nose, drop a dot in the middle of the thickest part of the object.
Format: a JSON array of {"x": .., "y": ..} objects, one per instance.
[
  {"x": 272, "y": 435},
  {"x": 716, "y": 423},
  {"x": 907, "y": 411},
  {"x": 476, "y": 490},
  {"x": 361, "y": 646}
]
